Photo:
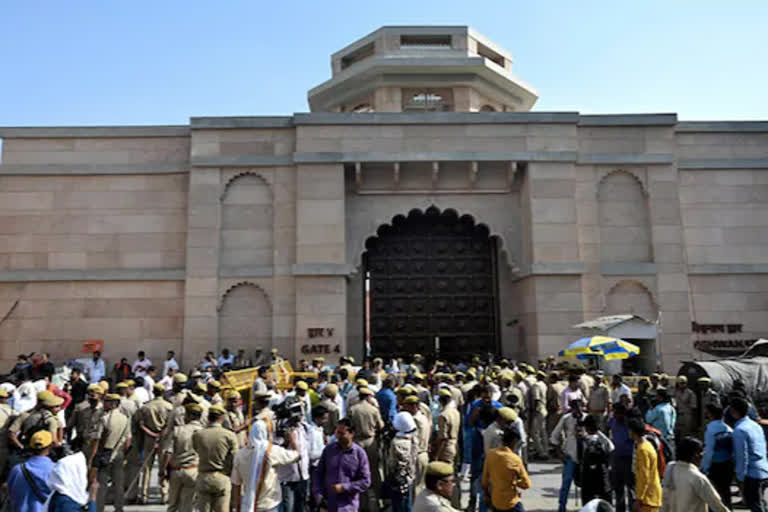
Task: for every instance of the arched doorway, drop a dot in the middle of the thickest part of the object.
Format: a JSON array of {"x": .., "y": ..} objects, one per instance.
[{"x": 432, "y": 275}]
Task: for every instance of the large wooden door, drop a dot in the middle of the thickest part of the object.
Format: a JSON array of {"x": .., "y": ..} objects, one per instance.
[{"x": 432, "y": 274}]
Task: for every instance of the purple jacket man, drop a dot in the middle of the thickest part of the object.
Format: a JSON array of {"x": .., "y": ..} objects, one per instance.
[{"x": 342, "y": 473}]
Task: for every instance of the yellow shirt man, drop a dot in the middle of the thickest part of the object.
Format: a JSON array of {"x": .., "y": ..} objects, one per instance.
[
  {"x": 647, "y": 482},
  {"x": 504, "y": 472}
]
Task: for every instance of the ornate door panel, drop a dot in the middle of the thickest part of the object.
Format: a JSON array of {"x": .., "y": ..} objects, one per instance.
[{"x": 432, "y": 274}]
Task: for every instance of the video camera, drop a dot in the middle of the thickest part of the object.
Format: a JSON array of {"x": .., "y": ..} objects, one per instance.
[{"x": 288, "y": 415}]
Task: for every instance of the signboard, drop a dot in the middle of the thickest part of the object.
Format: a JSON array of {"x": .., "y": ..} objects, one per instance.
[
  {"x": 91, "y": 346},
  {"x": 720, "y": 339}
]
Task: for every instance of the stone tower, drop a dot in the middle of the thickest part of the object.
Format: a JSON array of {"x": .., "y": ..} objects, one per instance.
[{"x": 422, "y": 69}]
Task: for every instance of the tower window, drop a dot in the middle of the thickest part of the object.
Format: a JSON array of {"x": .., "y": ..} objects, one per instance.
[
  {"x": 426, "y": 101},
  {"x": 357, "y": 55},
  {"x": 425, "y": 42},
  {"x": 489, "y": 54}
]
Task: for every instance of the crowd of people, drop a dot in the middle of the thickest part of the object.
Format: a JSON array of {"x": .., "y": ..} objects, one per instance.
[{"x": 395, "y": 433}]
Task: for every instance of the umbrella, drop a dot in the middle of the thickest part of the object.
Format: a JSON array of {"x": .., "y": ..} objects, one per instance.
[{"x": 600, "y": 346}]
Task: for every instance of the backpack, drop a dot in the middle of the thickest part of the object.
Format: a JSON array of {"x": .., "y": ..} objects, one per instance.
[
  {"x": 661, "y": 445},
  {"x": 594, "y": 453}
]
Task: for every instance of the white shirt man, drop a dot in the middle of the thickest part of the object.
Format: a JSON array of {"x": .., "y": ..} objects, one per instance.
[
  {"x": 149, "y": 384},
  {"x": 170, "y": 363},
  {"x": 141, "y": 365},
  {"x": 95, "y": 369}
]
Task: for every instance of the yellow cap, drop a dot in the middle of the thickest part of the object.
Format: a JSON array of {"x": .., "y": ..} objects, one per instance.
[
  {"x": 113, "y": 397},
  {"x": 194, "y": 407},
  {"x": 703, "y": 379},
  {"x": 104, "y": 386},
  {"x": 441, "y": 469},
  {"x": 131, "y": 382},
  {"x": 52, "y": 401},
  {"x": 445, "y": 392},
  {"x": 274, "y": 351},
  {"x": 318, "y": 359},
  {"x": 96, "y": 389},
  {"x": 233, "y": 394},
  {"x": 216, "y": 410},
  {"x": 366, "y": 391},
  {"x": 44, "y": 395},
  {"x": 40, "y": 439},
  {"x": 214, "y": 384},
  {"x": 361, "y": 382},
  {"x": 541, "y": 374},
  {"x": 682, "y": 378},
  {"x": 302, "y": 385},
  {"x": 179, "y": 378},
  {"x": 201, "y": 387},
  {"x": 331, "y": 390},
  {"x": 411, "y": 399},
  {"x": 508, "y": 413},
  {"x": 121, "y": 385},
  {"x": 3, "y": 393},
  {"x": 159, "y": 387}
]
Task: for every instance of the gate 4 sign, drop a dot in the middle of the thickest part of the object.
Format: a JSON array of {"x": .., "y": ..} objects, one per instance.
[{"x": 322, "y": 348}]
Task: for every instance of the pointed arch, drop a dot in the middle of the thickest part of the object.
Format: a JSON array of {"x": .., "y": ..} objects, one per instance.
[
  {"x": 631, "y": 296},
  {"x": 247, "y": 221},
  {"x": 625, "y": 231},
  {"x": 244, "y": 317},
  {"x": 505, "y": 251}
]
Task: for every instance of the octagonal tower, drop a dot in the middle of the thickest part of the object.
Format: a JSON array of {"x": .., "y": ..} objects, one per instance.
[{"x": 422, "y": 69}]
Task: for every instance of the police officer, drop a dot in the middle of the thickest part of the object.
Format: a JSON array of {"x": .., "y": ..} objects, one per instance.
[
  {"x": 86, "y": 413},
  {"x": 42, "y": 417},
  {"x": 328, "y": 400},
  {"x": 423, "y": 431},
  {"x": 111, "y": 438},
  {"x": 686, "y": 408},
  {"x": 235, "y": 420},
  {"x": 216, "y": 447},
  {"x": 448, "y": 426},
  {"x": 152, "y": 420},
  {"x": 180, "y": 460},
  {"x": 366, "y": 421},
  {"x": 440, "y": 484},
  {"x": 260, "y": 409}
]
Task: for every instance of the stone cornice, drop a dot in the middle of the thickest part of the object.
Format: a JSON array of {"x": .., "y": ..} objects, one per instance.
[
  {"x": 722, "y": 163},
  {"x": 61, "y": 132},
  {"x": 129, "y": 274},
  {"x": 721, "y": 126},
  {"x": 200, "y": 123},
  {"x": 92, "y": 169}
]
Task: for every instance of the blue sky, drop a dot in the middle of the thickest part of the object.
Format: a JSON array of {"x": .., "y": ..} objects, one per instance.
[{"x": 159, "y": 62}]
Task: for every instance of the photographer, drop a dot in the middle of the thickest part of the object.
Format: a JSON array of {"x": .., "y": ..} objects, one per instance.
[
  {"x": 255, "y": 482},
  {"x": 292, "y": 429}
]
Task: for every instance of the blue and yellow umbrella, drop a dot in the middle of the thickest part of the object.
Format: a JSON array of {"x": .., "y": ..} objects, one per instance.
[{"x": 600, "y": 346}]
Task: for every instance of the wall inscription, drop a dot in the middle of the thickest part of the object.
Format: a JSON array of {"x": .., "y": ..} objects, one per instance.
[{"x": 720, "y": 339}]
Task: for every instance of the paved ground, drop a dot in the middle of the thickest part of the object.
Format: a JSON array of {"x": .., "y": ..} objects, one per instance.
[{"x": 542, "y": 497}]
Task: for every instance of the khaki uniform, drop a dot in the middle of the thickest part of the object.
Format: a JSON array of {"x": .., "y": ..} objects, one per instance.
[
  {"x": 366, "y": 419},
  {"x": 539, "y": 418},
  {"x": 154, "y": 416},
  {"x": 183, "y": 465},
  {"x": 83, "y": 419},
  {"x": 458, "y": 396},
  {"x": 333, "y": 415},
  {"x": 554, "y": 404},
  {"x": 216, "y": 448},
  {"x": 130, "y": 408},
  {"x": 597, "y": 405},
  {"x": 423, "y": 431},
  {"x": 6, "y": 418},
  {"x": 112, "y": 431},
  {"x": 448, "y": 427},
  {"x": 429, "y": 501},
  {"x": 36, "y": 419},
  {"x": 686, "y": 411},
  {"x": 234, "y": 420}
]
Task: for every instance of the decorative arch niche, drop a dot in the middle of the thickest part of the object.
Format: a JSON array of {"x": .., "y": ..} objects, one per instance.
[
  {"x": 246, "y": 222},
  {"x": 625, "y": 232},
  {"x": 245, "y": 318},
  {"x": 630, "y": 296}
]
